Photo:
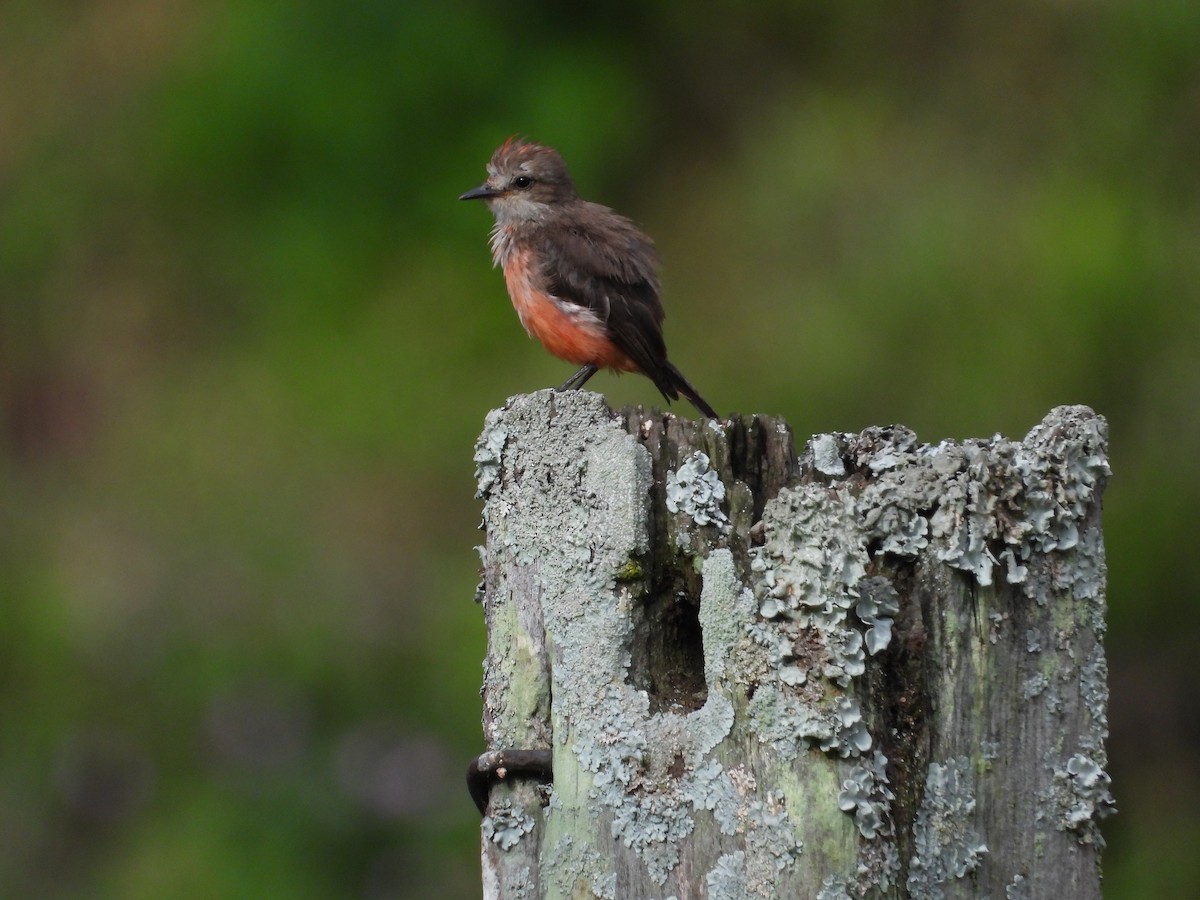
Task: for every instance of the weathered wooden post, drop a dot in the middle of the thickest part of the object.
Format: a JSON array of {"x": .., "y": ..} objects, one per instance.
[{"x": 873, "y": 670}]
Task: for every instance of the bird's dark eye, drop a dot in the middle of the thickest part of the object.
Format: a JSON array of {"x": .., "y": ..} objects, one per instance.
[{"x": 522, "y": 181}]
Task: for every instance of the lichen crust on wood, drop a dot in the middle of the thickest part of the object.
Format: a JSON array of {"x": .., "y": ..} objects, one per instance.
[{"x": 873, "y": 670}]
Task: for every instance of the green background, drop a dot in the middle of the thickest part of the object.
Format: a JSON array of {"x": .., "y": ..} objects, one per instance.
[{"x": 248, "y": 337}]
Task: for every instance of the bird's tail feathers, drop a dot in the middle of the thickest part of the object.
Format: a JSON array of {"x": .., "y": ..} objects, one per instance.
[{"x": 673, "y": 383}]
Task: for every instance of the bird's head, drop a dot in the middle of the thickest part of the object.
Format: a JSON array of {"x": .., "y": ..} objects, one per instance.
[{"x": 524, "y": 181}]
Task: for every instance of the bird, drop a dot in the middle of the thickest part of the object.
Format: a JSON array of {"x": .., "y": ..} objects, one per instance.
[{"x": 582, "y": 278}]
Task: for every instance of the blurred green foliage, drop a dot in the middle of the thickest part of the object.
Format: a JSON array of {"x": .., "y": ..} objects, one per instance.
[{"x": 247, "y": 338}]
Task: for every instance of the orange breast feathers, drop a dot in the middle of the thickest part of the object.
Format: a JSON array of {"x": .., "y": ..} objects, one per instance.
[{"x": 568, "y": 330}]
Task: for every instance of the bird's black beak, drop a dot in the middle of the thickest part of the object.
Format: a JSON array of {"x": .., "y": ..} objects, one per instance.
[{"x": 483, "y": 192}]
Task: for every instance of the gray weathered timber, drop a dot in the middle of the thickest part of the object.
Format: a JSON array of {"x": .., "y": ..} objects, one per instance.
[{"x": 873, "y": 670}]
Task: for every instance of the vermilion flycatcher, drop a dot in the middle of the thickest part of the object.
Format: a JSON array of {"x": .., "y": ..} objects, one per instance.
[{"x": 583, "y": 279}]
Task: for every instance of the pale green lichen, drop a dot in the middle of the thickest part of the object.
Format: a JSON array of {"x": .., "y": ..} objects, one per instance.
[
  {"x": 489, "y": 452},
  {"x": 723, "y": 606},
  {"x": 978, "y": 520},
  {"x": 697, "y": 491},
  {"x": 1093, "y": 679},
  {"x": 727, "y": 879},
  {"x": 605, "y": 886},
  {"x": 506, "y": 824},
  {"x": 878, "y": 604},
  {"x": 770, "y": 837},
  {"x": 865, "y": 793},
  {"x": 946, "y": 843},
  {"x": 827, "y": 457},
  {"x": 834, "y": 887},
  {"x": 572, "y": 864},
  {"x": 1018, "y": 889},
  {"x": 1081, "y": 791},
  {"x": 810, "y": 576}
]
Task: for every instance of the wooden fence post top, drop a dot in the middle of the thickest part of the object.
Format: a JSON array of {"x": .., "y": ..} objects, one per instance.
[{"x": 874, "y": 669}]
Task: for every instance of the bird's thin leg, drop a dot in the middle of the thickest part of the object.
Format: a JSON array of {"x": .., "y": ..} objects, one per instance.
[{"x": 579, "y": 379}]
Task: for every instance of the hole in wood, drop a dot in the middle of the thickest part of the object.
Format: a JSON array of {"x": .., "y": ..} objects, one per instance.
[{"x": 667, "y": 647}]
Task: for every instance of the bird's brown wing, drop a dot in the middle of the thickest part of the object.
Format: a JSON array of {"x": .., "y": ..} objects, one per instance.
[{"x": 604, "y": 263}]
